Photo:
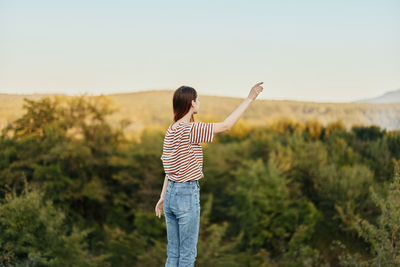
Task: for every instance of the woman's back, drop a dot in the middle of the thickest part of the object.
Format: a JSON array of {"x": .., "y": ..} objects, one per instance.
[
  {"x": 182, "y": 155},
  {"x": 182, "y": 160}
]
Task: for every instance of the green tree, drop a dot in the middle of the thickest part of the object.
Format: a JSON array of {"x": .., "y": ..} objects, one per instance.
[
  {"x": 364, "y": 133},
  {"x": 33, "y": 233},
  {"x": 383, "y": 236},
  {"x": 64, "y": 146},
  {"x": 267, "y": 216}
]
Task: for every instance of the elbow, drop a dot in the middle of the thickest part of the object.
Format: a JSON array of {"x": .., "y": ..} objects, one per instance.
[
  {"x": 227, "y": 127},
  {"x": 221, "y": 127}
]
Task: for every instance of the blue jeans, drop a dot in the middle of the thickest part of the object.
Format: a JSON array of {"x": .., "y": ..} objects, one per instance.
[{"x": 182, "y": 217}]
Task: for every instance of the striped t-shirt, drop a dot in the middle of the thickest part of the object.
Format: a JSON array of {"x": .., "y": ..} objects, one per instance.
[{"x": 182, "y": 155}]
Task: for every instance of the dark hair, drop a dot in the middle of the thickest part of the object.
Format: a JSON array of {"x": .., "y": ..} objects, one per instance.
[{"x": 182, "y": 101}]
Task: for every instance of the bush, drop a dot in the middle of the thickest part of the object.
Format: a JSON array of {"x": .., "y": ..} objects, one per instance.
[{"x": 33, "y": 233}]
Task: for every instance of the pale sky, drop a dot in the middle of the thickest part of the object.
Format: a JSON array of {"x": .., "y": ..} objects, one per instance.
[{"x": 330, "y": 51}]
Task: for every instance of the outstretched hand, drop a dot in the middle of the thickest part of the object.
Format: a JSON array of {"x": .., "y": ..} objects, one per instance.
[{"x": 255, "y": 91}]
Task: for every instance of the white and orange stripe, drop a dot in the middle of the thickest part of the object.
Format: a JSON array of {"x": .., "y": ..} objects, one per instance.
[{"x": 182, "y": 155}]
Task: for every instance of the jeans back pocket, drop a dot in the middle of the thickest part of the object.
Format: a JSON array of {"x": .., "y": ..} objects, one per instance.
[{"x": 182, "y": 201}]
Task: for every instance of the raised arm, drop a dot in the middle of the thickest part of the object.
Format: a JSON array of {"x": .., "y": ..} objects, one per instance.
[{"x": 231, "y": 120}]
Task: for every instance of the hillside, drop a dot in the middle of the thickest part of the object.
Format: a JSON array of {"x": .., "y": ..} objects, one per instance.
[
  {"x": 154, "y": 109},
  {"x": 389, "y": 97}
]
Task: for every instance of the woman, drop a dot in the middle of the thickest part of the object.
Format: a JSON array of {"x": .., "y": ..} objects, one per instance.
[{"x": 183, "y": 163}]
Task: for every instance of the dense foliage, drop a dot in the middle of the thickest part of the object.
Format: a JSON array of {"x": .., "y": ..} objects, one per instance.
[{"x": 76, "y": 192}]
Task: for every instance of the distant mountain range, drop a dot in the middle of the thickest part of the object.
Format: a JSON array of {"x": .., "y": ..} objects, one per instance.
[
  {"x": 148, "y": 109},
  {"x": 389, "y": 97}
]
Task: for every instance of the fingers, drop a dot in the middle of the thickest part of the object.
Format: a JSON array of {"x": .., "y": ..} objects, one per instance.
[
  {"x": 158, "y": 213},
  {"x": 258, "y": 85}
]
